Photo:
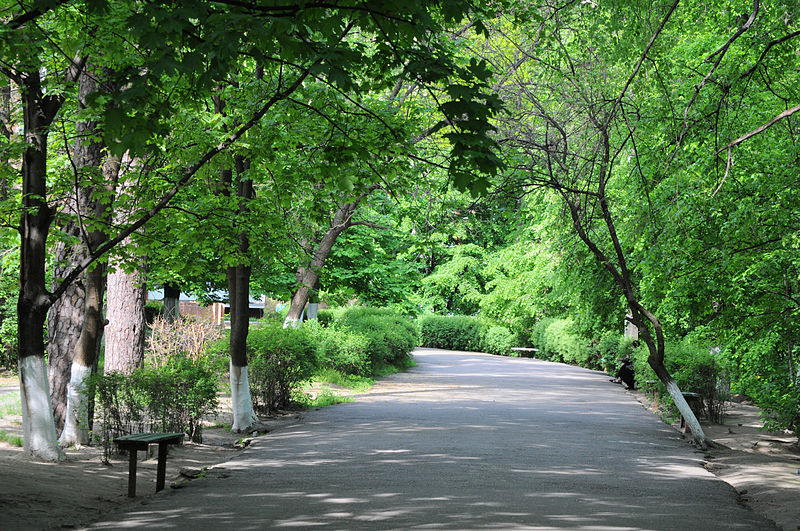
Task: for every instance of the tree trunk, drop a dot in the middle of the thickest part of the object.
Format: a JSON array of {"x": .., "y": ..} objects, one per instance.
[
  {"x": 39, "y": 432},
  {"x": 126, "y": 299},
  {"x": 84, "y": 361},
  {"x": 126, "y": 322},
  {"x": 239, "y": 293},
  {"x": 66, "y": 317},
  {"x": 64, "y": 323},
  {"x": 244, "y": 415},
  {"x": 172, "y": 297},
  {"x": 308, "y": 275}
]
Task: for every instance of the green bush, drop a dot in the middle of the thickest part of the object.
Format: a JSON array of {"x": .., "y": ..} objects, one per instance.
[
  {"x": 613, "y": 347},
  {"x": 391, "y": 336},
  {"x": 695, "y": 370},
  {"x": 557, "y": 341},
  {"x": 342, "y": 350},
  {"x": 170, "y": 398},
  {"x": 457, "y": 332},
  {"x": 325, "y": 317},
  {"x": 538, "y": 338},
  {"x": 9, "y": 291},
  {"x": 499, "y": 340},
  {"x": 760, "y": 372},
  {"x": 607, "y": 350},
  {"x": 461, "y": 332},
  {"x": 279, "y": 360}
]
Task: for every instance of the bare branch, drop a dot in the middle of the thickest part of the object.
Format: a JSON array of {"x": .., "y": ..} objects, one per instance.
[{"x": 754, "y": 132}]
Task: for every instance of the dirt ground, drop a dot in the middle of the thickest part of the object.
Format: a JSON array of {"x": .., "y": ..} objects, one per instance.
[{"x": 763, "y": 467}]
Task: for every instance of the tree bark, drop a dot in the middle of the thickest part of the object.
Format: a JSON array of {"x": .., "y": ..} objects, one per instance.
[
  {"x": 84, "y": 361},
  {"x": 239, "y": 294},
  {"x": 39, "y": 431},
  {"x": 65, "y": 321},
  {"x": 124, "y": 350}
]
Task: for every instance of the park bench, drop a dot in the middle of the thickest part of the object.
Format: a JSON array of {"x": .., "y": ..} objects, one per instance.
[
  {"x": 142, "y": 441},
  {"x": 525, "y": 351}
]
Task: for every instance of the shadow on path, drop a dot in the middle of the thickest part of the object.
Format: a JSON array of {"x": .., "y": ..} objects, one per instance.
[{"x": 463, "y": 441}]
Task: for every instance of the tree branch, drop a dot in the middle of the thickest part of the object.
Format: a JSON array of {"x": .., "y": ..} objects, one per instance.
[{"x": 761, "y": 129}]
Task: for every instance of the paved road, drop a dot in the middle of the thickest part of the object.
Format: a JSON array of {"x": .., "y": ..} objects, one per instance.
[{"x": 463, "y": 441}]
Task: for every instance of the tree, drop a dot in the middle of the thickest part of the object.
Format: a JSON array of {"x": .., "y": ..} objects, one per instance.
[
  {"x": 92, "y": 215},
  {"x": 569, "y": 121},
  {"x": 192, "y": 48}
]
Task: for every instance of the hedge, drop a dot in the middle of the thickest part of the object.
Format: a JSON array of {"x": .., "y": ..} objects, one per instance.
[{"x": 278, "y": 361}]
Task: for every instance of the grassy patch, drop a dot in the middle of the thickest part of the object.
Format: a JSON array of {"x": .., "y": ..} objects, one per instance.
[
  {"x": 11, "y": 439},
  {"x": 326, "y": 397},
  {"x": 10, "y": 404},
  {"x": 351, "y": 381},
  {"x": 385, "y": 370}
]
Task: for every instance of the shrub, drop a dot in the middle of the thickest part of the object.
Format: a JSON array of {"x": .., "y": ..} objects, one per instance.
[
  {"x": 170, "y": 398},
  {"x": 557, "y": 341},
  {"x": 499, "y": 340},
  {"x": 279, "y": 360},
  {"x": 391, "y": 336},
  {"x": 695, "y": 370},
  {"x": 342, "y": 350},
  {"x": 184, "y": 337},
  {"x": 613, "y": 347},
  {"x": 457, "y": 332},
  {"x": 325, "y": 317},
  {"x": 538, "y": 338},
  {"x": 9, "y": 290},
  {"x": 607, "y": 350}
]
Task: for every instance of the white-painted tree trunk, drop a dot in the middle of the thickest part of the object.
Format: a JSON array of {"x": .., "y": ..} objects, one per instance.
[
  {"x": 76, "y": 424},
  {"x": 38, "y": 428},
  {"x": 686, "y": 411},
  {"x": 244, "y": 416}
]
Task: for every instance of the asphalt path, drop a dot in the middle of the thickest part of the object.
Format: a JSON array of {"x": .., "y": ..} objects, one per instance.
[{"x": 463, "y": 441}]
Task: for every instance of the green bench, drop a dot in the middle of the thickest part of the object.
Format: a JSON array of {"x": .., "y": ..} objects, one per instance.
[{"x": 142, "y": 441}]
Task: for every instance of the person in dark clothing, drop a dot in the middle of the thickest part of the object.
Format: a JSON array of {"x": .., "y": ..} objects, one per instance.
[{"x": 625, "y": 374}]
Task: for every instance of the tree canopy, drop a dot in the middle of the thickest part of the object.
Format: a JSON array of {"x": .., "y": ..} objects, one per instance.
[{"x": 515, "y": 160}]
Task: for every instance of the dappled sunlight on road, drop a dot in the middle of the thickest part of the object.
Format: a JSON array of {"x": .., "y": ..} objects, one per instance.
[{"x": 464, "y": 441}]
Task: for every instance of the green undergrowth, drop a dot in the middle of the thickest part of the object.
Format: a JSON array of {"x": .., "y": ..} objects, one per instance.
[
  {"x": 384, "y": 370},
  {"x": 13, "y": 440},
  {"x": 10, "y": 404},
  {"x": 326, "y": 397},
  {"x": 331, "y": 376}
]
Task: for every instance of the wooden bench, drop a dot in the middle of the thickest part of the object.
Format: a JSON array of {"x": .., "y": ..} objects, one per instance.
[
  {"x": 695, "y": 402},
  {"x": 142, "y": 441},
  {"x": 524, "y": 350}
]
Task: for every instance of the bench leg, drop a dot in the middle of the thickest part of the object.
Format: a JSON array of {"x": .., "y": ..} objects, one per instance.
[
  {"x": 161, "y": 471},
  {"x": 132, "y": 473}
]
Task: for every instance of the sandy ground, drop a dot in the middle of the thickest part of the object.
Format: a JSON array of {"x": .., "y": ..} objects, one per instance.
[
  {"x": 83, "y": 490},
  {"x": 763, "y": 467}
]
